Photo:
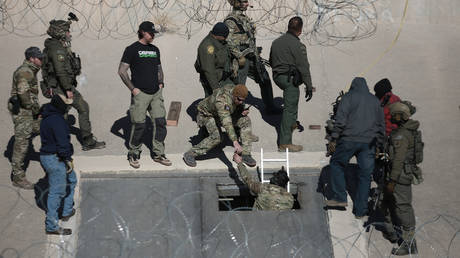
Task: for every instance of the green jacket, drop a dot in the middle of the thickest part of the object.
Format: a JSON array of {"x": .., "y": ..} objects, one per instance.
[
  {"x": 269, "y": 197},
  {"x": 287, "y": 51},
  {"x": 402, "y": 151},
  {"x": 220, "y": 105},
  {"x": 25, "y": 86},
  {"x": 59, "y": 65},
  {"x": 213, "y": 60}
]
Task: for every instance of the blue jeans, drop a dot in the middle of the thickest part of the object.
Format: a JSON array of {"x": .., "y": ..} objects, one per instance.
[
  {"x": 365, "y": 155},
  {"x": 61, "y": 190}
]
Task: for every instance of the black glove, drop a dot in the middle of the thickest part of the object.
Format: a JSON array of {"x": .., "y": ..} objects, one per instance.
[
  {"x": 308, "y": 93},
  {"x": 331, "y": 146},
  {"x": 69, "y": 166}
]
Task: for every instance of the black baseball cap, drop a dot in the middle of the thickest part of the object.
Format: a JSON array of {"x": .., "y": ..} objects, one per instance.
[
  {"x": 33, "y": 52},
  {"x": 220, "y": 29},
  {"x": 147, "y": 26}
]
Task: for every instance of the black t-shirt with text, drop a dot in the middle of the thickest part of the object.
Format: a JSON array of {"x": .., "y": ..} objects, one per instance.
[{"x": 143, "y": 62}]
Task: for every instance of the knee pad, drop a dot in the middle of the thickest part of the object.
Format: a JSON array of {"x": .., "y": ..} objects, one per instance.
[
  {"x": 160, "y": 129},
  {"x": 138, "y": 132}
]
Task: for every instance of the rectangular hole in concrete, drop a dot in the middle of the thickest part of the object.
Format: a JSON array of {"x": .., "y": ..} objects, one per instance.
[{"x": 237, "y": 197}]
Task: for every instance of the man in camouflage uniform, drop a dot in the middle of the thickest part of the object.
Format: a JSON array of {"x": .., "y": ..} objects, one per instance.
[
  {"x": 246, "y": 55},
  {"x": 289, "y": 62},
  {"x": 61, "y": 67},
  {"x": 271, "y": 196},
  {"x": 224, "y": 107},
  {"x": 397, "y": 199},
  {"x": 213, "y": 62},
  {"x": 24, "y": 108}
]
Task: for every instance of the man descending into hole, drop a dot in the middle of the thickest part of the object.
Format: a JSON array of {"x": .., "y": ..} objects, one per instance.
[
  {"x": 224, "y": 107},
  {"x": 271, "y": 196}
]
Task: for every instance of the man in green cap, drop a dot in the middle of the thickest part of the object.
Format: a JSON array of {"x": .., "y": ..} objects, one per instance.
[
  {"x": 289, "y": 62},
  {"x": 246, "y": 55},
  {"x": 213, "y": 62},
  {"x": 224, "y": 107},
  {"x": 24, "y": 108},
  {"x": 405, "y": 152},
  {"x": 61, "y": 67}
]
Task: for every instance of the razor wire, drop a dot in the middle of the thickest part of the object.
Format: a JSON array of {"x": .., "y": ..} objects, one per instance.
[
  {"x": 327, "y": 22},
  {"x": 173, "y": 222}
]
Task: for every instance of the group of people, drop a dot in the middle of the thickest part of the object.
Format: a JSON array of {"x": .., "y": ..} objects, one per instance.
[
  {"x": 377, "y": 128},
  {"x": 364, "y": 126}
]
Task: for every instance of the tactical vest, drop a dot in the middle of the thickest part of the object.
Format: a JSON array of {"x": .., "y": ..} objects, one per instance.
[
  {"x": 414, "y": 156},
  {"x": 49, "y": 74}
]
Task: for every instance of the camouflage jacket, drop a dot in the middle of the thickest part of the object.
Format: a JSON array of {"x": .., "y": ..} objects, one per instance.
[
  {"x": 242, "y": 37},
  {"x": 25, "y": 86},
  {"x": 220, "y": 105},
  {"x": 269, "y": 197},
  {"x": 60, "y": 65},
  {"x": 213, "y": 60},
  {"x": 288, "y": 51},
  {"x": 401, "y": 152}
]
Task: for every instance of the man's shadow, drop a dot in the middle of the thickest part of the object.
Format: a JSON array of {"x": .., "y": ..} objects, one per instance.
[
  {"x": 351, "y": 182},
  {"x": 31, "y": 155},
  {"x": 271, "y": 119},
  {"x": 122, "y": 129}
]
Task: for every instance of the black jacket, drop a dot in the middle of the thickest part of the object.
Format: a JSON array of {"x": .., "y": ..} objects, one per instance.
[
  {"x": 359, "y": 116},
  {"x": 55, "y": 133}
]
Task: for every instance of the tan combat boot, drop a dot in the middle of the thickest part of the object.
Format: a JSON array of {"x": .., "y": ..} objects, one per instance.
[
  {"x": 22, "y": 182},
  {"x": 290, "y": 147}
]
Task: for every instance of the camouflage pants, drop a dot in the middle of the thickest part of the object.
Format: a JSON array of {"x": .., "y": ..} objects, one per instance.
[
  {"x": 24, "y": 128},
  {"x": 243, "y": 123},
  {"x": 82, "y": 108}
]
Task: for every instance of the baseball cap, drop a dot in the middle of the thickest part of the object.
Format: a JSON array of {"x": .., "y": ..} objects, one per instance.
[
  {"x": 147, "y": 26},
  {"x": 33, "y": 52}
]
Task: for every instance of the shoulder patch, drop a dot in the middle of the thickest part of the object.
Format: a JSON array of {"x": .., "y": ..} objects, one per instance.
[
  {"x": 211, "y": 49},
  {"x": 60, "y": 57}
]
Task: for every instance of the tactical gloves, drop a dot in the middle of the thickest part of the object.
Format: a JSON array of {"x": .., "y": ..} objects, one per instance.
[
  {"x": 69, "y": 166},
  {"x": 308, "y": 93},
  {"x": 331, "y": 147}
]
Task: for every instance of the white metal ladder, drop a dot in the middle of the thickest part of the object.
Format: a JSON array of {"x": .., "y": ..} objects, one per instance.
[{"x": 262, "y": 160}]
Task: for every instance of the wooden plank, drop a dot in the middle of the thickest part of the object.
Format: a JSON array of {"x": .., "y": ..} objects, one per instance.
[{"x": 174, "y": 113}]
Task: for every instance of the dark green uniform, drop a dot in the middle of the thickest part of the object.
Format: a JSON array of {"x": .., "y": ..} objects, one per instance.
[
  {"x": 397, "y": 206},
  {"x": 269, "y": 196},
  {"x": 220, "y": 108},
  {"x": 287, "y": 55},
  {"x": 25, "y": 87},
  {"x": 213, "y": 64},
  {"x": 62, "y": 68}
]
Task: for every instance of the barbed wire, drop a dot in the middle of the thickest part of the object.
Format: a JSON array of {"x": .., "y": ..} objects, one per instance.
[
  {"x": 328, "y": 22},
  {"x": 172, "y": 218}
]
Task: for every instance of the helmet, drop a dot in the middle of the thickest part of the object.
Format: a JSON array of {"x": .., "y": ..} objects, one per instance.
[
  {"x": 236, "y": 3},
  {"x": 400, "y": 108},
  {"x": 58, "y": 29}
]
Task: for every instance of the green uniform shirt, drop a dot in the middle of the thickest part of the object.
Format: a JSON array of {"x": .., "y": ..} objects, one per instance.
[
  {"x": 269, "y": 197},
  {"x": 220, "y": 105},
  {"x": 287, "y": 51},
  {"x": 401, "y": 152},
  {"x": 25, "y": 86},
  {"x": 59, "y": 57},
  {"x": 213, "y": 60}
]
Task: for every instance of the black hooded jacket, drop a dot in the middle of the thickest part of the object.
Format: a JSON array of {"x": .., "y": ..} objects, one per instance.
[
  {"x": 359, "y": 116},
  {"x": 55, "y": 133}
]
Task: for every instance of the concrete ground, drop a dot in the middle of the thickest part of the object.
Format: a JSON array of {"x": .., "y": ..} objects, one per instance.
[{"x": 423, "y": 66}]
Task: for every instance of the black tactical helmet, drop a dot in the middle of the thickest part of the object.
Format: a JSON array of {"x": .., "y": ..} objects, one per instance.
[{"x": 58, "y": 29}]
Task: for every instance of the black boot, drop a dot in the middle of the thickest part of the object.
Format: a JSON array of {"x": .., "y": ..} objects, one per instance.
[
  {"x": 408, "y": 246},
  {"x": 91, "y": 143},
  {"x": 189, "y": 158}
]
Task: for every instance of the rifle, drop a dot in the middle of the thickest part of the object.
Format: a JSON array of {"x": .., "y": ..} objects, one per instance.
[
  {"x": 330, "y": 122},
  {"x": 382, "y": 167}
]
